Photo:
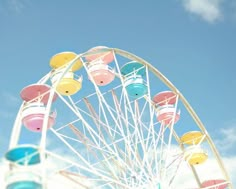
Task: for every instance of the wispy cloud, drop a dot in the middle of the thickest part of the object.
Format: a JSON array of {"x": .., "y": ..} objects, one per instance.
[
  {"x": 10, "y": 99},
  {"x": 227, "y": 141},
  {"x": 11, "y": 104},
  {"x": 6, "y": 114},
  {"x": 16, "y": 6},
  {"x": 233, "y": 5},
  {"x": 209, "y": 10}
]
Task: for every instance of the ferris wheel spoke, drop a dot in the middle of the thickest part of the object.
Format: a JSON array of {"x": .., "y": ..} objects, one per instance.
[
  {"x": 112, "y": 130},
  {"x": 96, "y": 120},
  {"x": 127, "y": 138},
  {"x": 90, "y": 169},
  {"x": 75, "y": 178},
  {"x": 132, "y": 154},
  {"x": 102, "y": 101},
  {"x": 109, "y": 171},
  {"x": 89, "y": 145},
  {"x": 112, "y": 152}
]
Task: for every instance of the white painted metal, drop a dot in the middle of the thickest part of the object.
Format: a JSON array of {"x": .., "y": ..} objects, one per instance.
[{"x": 115, "y": 141}]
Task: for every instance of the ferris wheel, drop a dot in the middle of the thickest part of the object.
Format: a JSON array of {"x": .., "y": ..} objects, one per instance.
[{"x": 107, "y": 118}]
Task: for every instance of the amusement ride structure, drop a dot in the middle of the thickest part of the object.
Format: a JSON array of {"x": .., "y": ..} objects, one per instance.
[{"x": 106, "y": 118}]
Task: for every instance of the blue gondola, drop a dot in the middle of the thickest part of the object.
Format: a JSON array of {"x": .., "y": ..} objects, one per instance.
[
  {"x": 133, "y": 73},
  {"x": 23, "y": 179},
  {"x": 23, "y": 155}
]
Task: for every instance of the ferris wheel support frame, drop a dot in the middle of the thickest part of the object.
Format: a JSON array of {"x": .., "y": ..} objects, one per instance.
[{"x": 17, "y": 126}]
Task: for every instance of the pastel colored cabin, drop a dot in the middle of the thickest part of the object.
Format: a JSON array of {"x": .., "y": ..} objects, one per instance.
[
  {"x": 195, "y": 155},
  {"x": 67, "y": 84},
  {"x": 33, "y": 116},
  {"x": 100, "y": 53},
  {"x": 165, "y": 98},
  {"x": 101, "y": 73},
  {"x": 62, "y": 59},
  {"x": 133, "y": 68},
  {"x": 215, "y": 184},
  {"x": 37, "y": 93},
  {"x": 133, "y": 73},
  {"x": 168, "y": 114},
  {"x": 23, "y": 155},
  {"x": 23, "y": 179},
  {"x": 34, "y": 110},
  {"x": 192, "y": 138},
  {"x": 135, "y": 86}
]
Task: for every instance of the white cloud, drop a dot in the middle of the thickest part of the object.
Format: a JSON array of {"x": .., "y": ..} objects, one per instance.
[
  {"x": 59, "y": 181},
  {"x": 233, "y": 4},
  {"x": 209, "y": 10},
  {"x": 13, "y": 5},
  {"x": 10, "y": 99},
  {"x": 227, "y": 141},
  {"x": 6, "y": 114},
  {"x": 230, "y": 164},
  {"x": 17, "y": 5}
]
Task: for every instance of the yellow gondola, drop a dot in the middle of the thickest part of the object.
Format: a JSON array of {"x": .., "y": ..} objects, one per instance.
[
  {"x": 192, "y": 138},
  {"x": 69, "y": 84},
  {"x": 195, "y": 155},
  {"x": 61, "y": 59}
]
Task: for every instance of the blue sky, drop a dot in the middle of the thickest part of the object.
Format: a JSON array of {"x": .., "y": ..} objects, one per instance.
[{"x": 193, "y": 43}]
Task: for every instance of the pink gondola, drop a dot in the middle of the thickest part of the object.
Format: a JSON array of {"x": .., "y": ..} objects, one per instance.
[
  {"x": 33, "y": 116},
  {"x": 36, "y": 92},
  {"x": 165, "y": 98},
  {"x": 101, "y": 73},
  {"x": 216, "y": 184},
  {"x": 100, "y": 53},
  {"x": 165, "y": 115},
  {"x": 34, "y": 110}
]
